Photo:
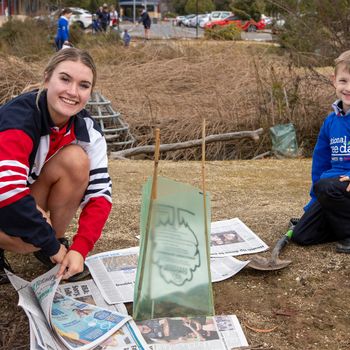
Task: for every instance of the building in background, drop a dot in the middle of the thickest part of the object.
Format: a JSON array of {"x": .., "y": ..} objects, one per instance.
[
  {"x": 21, "y": 7},
  {"x": 131, "y": 9}
]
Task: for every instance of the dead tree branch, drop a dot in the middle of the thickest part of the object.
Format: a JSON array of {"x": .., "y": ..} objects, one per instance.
[{"x": 187, "y": 144}]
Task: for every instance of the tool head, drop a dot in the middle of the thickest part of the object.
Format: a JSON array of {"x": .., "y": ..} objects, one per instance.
[{"x": 265, "y": 264}]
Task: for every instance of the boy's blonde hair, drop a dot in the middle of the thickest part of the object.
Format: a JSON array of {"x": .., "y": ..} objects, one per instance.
[{"x": 343, "y": 60}]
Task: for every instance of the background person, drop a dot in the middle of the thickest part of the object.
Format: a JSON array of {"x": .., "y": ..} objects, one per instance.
[
  {"x": 126, "y": 38},
  {"x": 62, "y": 34},
  {"x": 145, "y": 19},
  {"x": 113, "y": 17},
  {"x": 104, "y": 17},
  {"x": 327, "y": 215},
  {"x": 53, "y": 159}
]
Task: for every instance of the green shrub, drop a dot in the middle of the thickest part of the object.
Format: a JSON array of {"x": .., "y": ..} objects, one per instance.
[{"x": 230, "y": 32}]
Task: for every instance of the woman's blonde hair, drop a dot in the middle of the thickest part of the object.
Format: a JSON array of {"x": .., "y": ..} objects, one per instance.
[{"x": 69, "y": 54}]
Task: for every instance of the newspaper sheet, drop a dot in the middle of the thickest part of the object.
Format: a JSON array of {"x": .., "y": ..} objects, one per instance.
[
  {"x": 87, "y": 292},
  {"x": 126, "y": 338},
  {"x": 232, "y": 237},
  {"x": 225, "y": 267},
  {"x": 193, "y": 333},
  {"x": 78, "y": 325},
  {"x": 114, "y": 272}
]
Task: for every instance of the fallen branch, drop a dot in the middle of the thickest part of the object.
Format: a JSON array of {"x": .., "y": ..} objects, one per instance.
[{"x": 187, "y": 144}]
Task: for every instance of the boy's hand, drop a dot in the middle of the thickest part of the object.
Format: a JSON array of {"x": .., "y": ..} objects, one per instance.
[
  {"x": 72, "y": 264},
  {"x": 59, "y": 256},
  {"x": 344, "y": 178}
]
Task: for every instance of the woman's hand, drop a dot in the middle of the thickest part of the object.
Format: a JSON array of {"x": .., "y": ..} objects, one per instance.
[
  {"x": 59, "y": 256},
  {"x": 72, "y": 264}
]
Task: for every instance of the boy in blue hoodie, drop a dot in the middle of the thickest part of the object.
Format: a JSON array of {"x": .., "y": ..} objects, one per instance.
[{"x": 327, "y": 215}]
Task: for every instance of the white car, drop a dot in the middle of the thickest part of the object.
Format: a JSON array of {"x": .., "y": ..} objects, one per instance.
[
  {"x": 80, "y": 16},
  {"x": 186, "y": 20},
  {"x": 266, "y": 19},
  {"x": 178, "y": 20},
  {"x": 195, "y": 21}
]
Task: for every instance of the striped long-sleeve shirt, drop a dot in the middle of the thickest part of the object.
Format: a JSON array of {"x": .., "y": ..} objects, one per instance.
[{"x": 28, "y": 138}]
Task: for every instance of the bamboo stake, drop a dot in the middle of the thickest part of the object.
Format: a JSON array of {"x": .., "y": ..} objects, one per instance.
[
  {"x": 149, "y": 219},
  {"x": 154, "y": 193},
  {"x": 156, "y": 162},
  {"x": 203, "y": 177},
  {"x": 205, "y": 211}
]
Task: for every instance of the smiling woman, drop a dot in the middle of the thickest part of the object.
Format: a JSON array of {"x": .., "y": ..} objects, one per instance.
[{"x": 53, "y": 158}]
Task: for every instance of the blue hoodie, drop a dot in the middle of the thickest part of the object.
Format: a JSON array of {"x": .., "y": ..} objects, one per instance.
[
  {"x": 62, "y": 29},
  {"x": 331, "y": 156}
]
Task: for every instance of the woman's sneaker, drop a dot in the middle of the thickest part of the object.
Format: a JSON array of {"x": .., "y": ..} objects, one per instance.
[
  {"x": 343, "y": 246},
  {"x": 4, "y": 265},
  {"x": 49, "y": 264}
]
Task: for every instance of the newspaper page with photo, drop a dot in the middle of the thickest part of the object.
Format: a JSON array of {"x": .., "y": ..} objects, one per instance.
[
  {"x": 193, "y": 333},
  {"x": 232, "y": 237},
  {"x": 77, "y": 325},
  {"x": 114, "y": 272},
  {"x": 128, "y": 337}
]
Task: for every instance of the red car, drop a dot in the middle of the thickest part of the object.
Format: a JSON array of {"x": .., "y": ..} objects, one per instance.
[{"x": 248, "y": 25}]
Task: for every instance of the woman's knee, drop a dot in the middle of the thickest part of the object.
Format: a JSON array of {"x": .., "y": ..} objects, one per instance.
[{"x": 75, "y": 163}]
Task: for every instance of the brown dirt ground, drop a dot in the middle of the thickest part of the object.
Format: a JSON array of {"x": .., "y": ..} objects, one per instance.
[{"x": 304, "y": 306}]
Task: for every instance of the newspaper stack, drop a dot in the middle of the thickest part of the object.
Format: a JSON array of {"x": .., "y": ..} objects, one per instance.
[{"x": 91, "y": 314}]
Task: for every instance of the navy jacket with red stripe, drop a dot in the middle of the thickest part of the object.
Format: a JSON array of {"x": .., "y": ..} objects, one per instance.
[{"x": 26, "y": 143}]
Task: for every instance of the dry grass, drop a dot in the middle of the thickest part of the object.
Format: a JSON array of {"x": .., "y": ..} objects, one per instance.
[
  {"x": 15, "y": 76},
  {"x": 173, "y": 85}
]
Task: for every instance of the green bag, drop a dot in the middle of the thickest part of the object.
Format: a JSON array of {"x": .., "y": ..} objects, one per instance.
[
  {"x": 284, "y": 140},
  {"x": 173, "y": 274}
]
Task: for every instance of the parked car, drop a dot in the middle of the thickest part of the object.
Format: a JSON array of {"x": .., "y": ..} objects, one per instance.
[
  {"x": 186, "y": 20},
  {"x": 266, "y": 19},
  {"x": 80, "y": 16},
  {"x": 194, "y": 21},
  {"x": 214, "y": 16},
  {"x": 178, "y": 20},
  {"x": 247, "y": 25},
  {"x": 203, "y": 20}
]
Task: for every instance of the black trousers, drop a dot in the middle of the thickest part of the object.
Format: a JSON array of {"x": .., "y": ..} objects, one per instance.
[{"x": 328, "y": 219}]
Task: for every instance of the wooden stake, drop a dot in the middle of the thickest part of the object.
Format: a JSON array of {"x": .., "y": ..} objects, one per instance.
[
  {"x": 207, "y": 246},
  {"x": 156, "y": 161},
  {"x": 203, "y": 177},
  {"x": 149, "y": 220},
  {"x": 154, "y": 195}
]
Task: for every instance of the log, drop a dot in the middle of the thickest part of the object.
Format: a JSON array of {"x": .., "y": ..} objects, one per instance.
[{"x": 187, "y": 144}]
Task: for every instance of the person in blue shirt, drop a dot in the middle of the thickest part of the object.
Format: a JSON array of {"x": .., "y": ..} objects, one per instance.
[
  {"x": 126, "y": 38},
  {"x": 327, "y": 215},
  {"x": 63, "y": 28}
]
